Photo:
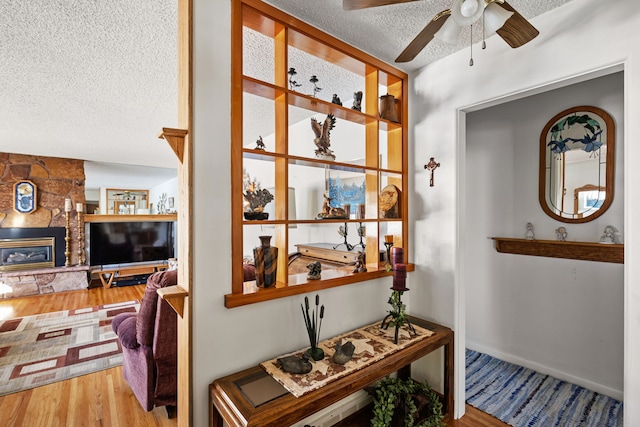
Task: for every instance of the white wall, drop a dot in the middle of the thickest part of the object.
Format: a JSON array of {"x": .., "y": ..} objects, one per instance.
[
  {"x": 560, "y": 317},
  {"x": 170, "y": 188},
  {"x": 582, "y": 37},
  {"x": 227, "y": 340}
]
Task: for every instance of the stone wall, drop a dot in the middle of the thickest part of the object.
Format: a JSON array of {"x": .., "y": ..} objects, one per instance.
[
  {"x": 57, "y": 179},
  {"x": 16, "y": 284}
]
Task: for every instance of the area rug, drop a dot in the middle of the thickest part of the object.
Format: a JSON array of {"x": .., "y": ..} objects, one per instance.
[
  {"x": 43, "y": 349},
  {"x": 523, "y": 397},
  {"x": 371, "y": 344}
]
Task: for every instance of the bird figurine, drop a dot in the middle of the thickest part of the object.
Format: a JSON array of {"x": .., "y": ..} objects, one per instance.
[
  {"x": 295, "y": 364},
  {"x": 322, "y": 132},
  {"x": 343, "y": 353},
  {"x": 336, "y": 99}
]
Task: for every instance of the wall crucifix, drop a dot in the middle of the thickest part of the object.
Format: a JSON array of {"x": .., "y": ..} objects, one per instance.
[{"x": 431, "y": 167}]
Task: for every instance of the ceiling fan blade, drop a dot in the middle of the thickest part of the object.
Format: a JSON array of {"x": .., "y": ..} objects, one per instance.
[
  {"x": 517, "y": 31},
  {"x": 425, "y": 36},
  {"x": 363, "y": 4}
]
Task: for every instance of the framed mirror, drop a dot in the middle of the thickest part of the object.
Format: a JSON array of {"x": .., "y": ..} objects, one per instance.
[{"x": 577, "y": 164}]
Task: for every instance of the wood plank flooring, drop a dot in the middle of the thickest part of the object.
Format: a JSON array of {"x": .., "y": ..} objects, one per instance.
[
  {"x": 104, "y": 398},
  {"x": 99, "y": 399}
]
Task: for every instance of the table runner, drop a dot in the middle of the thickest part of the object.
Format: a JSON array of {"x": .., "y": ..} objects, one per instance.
[{"x": 371, "y": 344}]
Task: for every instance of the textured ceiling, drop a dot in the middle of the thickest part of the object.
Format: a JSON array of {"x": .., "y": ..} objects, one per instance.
[
  {"x": 96, "y": 80},
  {"x": 385, "y": 31}
]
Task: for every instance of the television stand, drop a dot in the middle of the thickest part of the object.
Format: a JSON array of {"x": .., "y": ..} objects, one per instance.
[{"x": 108, "y": 275}]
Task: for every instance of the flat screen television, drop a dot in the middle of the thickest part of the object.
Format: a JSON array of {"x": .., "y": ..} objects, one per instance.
[{"x": 130, "y": 242}]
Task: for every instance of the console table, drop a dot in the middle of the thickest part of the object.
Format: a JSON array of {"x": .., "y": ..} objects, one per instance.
[{"x": 252, "y": 398}]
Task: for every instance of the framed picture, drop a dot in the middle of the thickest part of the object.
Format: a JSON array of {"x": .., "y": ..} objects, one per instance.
[
  {"x": 24, "y": 196},
  {"x": 170, "y": 202},
  {"x": 346, "y": 191}
]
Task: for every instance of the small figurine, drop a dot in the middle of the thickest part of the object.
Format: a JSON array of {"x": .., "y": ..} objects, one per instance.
[
  {"x": 316, "y": 89},
  {"x": 260, "y": 144},
  {"x": 529, "y": 235},
  {"x": 322, "y": 133},
  {"x": 295, "y": 364},
  {"x": 357, "y": 101},
  {"x": 561, "y": 234},
  {"x": 315, "y": 270},
  {"x": 611, "y": 235},
  {"x": 336, "y": 100},
  {"x": 292, "y": 83},
  {"x": 344, "y": 352},
  {"x": 360, "y": 266}
]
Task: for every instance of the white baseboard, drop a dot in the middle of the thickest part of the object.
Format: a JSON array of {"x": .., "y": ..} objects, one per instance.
[{"x": 598, "y": 388}]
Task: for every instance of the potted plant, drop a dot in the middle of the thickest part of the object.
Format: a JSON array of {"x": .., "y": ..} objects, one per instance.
[{"x": 405, "y": 403}]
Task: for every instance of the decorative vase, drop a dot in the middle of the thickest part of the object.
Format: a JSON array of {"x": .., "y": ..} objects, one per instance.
[{"x": 266, "y": 261}]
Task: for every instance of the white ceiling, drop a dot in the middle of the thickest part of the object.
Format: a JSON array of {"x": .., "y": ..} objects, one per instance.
[{"x": 96, "y": 80}]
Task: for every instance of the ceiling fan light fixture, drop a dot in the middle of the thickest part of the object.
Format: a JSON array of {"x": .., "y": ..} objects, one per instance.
[
  {"x": 468, "y": 8},
  {"x": 461, "y": 8},
  {"x": 494, "y": 18},
  {"x": 449, "y": 32}
]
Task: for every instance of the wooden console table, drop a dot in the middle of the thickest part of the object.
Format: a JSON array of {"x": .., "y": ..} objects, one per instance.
[{"x": 252, "y": 398}]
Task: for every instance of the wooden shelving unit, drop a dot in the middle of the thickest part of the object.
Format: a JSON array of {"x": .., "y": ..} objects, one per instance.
[
  {"x": 586, "y": 251},
  {"x": 382, "y": 142}
]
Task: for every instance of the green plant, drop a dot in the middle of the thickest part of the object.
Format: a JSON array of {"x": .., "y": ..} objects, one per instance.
[
  {"x": 406, "y": 403},
  {"x": 398, "y": 310}
]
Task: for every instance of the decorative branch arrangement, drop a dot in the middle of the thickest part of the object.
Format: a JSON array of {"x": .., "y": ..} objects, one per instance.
[{"x": 313, "y": 323}]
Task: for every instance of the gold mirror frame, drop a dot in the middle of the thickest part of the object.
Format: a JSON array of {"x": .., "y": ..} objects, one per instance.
[{"x": 609, "y": 176}]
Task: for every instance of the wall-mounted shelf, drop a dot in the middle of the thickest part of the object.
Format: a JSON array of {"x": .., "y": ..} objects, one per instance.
[
  {"x": 175, "y": 138},
  {"x": 175, "y": 296},
  {"x": 586, "y": 251}
]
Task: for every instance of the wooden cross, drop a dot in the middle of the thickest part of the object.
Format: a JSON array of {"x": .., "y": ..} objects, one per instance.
[{"x": 431, "y": 167}]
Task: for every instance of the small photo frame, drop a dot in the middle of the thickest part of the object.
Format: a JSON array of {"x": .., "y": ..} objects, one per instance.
[
  {"x": 24, "y": 196},
  {"x": 171, "y": 201}
]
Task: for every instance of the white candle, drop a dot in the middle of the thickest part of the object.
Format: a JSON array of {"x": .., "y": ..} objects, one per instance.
[
  {"x": 67, "y": 205},
  {"x": 79, "y": 207}
]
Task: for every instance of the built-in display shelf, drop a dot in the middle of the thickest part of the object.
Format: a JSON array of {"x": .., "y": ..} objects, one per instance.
[{"x": 585, "y": 251}]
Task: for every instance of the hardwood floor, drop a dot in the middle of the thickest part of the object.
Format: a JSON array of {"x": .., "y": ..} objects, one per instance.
[
  {"x": 104, "y": 398},
  {"x": 100, "y": 399}
]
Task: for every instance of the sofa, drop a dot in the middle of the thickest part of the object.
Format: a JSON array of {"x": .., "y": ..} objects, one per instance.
[{"x": 149, "y": 346}]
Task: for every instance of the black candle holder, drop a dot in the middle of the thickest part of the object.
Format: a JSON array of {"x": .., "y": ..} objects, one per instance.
[
  {"x": 361, "y": 233},
  {"x": 345, "y": 233}
]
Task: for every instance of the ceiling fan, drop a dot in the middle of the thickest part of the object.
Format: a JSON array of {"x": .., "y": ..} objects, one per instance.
[{"x": 499, "y": 17}]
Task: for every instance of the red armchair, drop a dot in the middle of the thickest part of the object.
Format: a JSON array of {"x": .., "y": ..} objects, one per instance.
[{"x": 149, "y": 346}]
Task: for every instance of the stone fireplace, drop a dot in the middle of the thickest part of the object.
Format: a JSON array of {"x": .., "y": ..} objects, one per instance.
[{"x": 32, "y": 245}]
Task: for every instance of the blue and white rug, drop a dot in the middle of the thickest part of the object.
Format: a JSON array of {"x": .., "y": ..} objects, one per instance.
[{"x": 523, "y": 397}]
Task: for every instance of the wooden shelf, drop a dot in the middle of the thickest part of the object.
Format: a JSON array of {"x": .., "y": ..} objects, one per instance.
[
  {"x": 331, "y": 278},
  {"x": 127, "y": 218},
  {"x": 175, "y": 296},
  {"x": 380, "y": 145},
  {"x": 585, "y": 251},
  {"x": 175, "y": 139}
]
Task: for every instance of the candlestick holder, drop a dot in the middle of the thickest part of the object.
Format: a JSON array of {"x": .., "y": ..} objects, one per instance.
[
  {"x": 361, "y": 234},
  {"x": 81, "y": 257},
  {"x": 388, "y": 245},
  {"x": 67, "y": 239},
  {"x": 344, "y": 232},
  {"x": 397, "y": 316}
]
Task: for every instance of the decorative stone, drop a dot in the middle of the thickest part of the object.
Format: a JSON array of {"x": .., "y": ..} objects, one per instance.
[{"x": 38, "y": 171}]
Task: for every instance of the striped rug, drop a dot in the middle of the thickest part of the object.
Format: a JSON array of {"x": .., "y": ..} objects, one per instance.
[
  {"x": 522, "y": 397},
  {"x": 42, "y": 349}
]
